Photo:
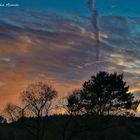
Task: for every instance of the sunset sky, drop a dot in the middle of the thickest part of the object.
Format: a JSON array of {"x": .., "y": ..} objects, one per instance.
[{"x": 53, "y": 40}]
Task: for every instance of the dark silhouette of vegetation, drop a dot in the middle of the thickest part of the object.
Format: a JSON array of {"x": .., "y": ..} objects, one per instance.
[
  {"x": 74, "y": 105},
  {"x": 36, "y": 102},
  {"x": 73, "y": 108},
  {"x": 2, "y": 120},
  {"x": 104, "y": 94},
  {"x": 99, "y": 110},
  {"x": 38, "y": 99},
  {"x": 13, "y": 112},
  {"x": 11, "y": 135},
  {"x": 95, "y": 128}
]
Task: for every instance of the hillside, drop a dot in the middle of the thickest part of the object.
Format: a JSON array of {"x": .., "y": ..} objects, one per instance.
[{"x": 75, "y": 128}]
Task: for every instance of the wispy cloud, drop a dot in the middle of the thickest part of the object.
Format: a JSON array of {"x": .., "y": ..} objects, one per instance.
[{"x": 63, "y": 50}]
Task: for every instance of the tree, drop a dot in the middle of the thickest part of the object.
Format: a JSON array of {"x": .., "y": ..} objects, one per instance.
[
  {"x": 74, "y": 103},
  {"x": 37, "y": 97},
  {"x": 2, "y": 120},
  {"x": 74, "y": 107},
  {"x": 12, "y": 112},
  {"x": 106, "y": 94}
]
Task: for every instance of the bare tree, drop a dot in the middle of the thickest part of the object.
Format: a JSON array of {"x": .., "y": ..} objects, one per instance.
[
  {"x": 12, "y": 112},
  {"x": 2, "y": 120},
  {"x": 38, "y": 99}
]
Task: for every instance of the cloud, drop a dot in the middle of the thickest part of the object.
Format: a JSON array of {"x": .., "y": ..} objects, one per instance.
[{"x": 63, "y": 50}]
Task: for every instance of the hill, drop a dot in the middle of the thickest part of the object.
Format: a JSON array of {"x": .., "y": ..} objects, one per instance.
[{"x": 73, "y": 128}]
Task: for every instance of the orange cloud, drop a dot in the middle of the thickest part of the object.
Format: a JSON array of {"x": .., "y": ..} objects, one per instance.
[
  {"x": 134, "y": 89},
  {"x": 24, "y": 44},
  {"x": 14, "y": 81}
]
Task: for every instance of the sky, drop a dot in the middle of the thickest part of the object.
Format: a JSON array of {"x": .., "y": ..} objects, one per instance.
[{"x": 55, "y": 41}]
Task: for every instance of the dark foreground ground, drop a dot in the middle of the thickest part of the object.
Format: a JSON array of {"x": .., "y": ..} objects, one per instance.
[{"x": 73, "y": 128}]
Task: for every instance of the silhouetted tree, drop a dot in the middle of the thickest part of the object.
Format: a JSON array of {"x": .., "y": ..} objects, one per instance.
[
  {"x": 74, "y": 108},
  {"x": 38, "y": 99},
  {"x": 2, "y": 120},
  {"x": 12, "y": 112},
  {"x": 74, "y": 105},
  {"x": 103, "y": 94},
  {"x": 106, "y": 94}
]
